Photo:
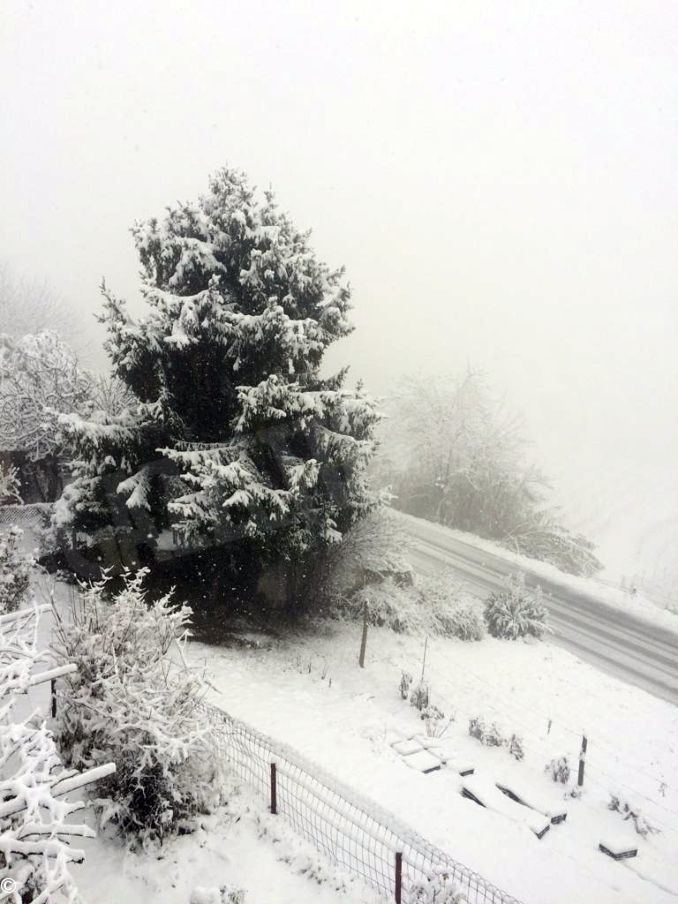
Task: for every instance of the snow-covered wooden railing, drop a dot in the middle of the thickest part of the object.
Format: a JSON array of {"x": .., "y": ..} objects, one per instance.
[
  {"x": 35, "y": 852},
  {"x": 351, "y": 830}
]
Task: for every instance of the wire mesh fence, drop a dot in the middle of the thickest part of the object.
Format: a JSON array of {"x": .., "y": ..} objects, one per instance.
[{"x": 351, "y": 831}]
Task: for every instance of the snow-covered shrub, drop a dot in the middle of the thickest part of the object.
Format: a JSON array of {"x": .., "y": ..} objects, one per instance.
[
  {"x": 462, "y": 621},
  {"x": 559, "y": 770},
  {"x": 435, "y": 721},
  {"x": 390, "y": 605},
  {"x": 370, "y": 552},
  {"x": 15, "y": 570},
  {"x": 217, "y": 895},
  {"x": 405, "y": 684},
  {"x": 133, "y": 703},
  {"x": 35, "y": 832},
  {"x": 451, "y": 611},
  {"x": 631, "y": 812},
  {"x": 488, "y": 735},
  {"x": 515, "y": 747},
  {"x": 516, "y": 611},
  {"x": 9, "y": 485},
  {"x": 492, "y": 737},
  {"x": 419, "y": 697},
  {"x": 439, "y": 888}
]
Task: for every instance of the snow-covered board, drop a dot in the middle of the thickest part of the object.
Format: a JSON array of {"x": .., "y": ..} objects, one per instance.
[
  {"x": 618, "y": 847},
  {"x": 519, "y": 793},
  {"x": 436, "y": 749},
  {"x": 407, "y": 747},
  {"x": 486, "y": 793},
  {"x": 423, "y": 761}
]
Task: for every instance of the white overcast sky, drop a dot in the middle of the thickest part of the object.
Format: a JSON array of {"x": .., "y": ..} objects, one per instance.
[{"x": 500, "y": 180}]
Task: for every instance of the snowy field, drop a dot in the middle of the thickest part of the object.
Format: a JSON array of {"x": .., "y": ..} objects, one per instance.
[{"x": 309, "y": 692}]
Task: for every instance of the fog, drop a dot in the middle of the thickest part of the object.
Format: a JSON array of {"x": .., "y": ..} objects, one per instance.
[{"x": 499, "y": 180}]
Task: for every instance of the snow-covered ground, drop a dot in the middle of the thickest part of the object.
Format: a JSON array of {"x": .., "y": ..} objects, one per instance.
[
  {"x": 309, "y": 692},
  {"x": 238, "y": 847}
]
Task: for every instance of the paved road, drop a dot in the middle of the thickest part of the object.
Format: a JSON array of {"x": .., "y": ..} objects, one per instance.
[{"x": 617, "y": 642}]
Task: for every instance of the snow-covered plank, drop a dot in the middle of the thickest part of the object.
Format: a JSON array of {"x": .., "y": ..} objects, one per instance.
[
  {"x": 407, "y": 747},
  {"x": 619, "y": 847},
  {"x": 423, "y": 761},
  {"x": 443, "y": 749},
  {"x": 486, "y": 794},
  {"x": 528, "y": 797}
]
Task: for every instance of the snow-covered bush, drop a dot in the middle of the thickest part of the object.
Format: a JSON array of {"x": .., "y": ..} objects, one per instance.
[
  {"x": 217, "y": 895},
  {"x": 436, "y": 607},
  {"x": 515, "y": 747},
  {"x": 491, "y": 736},
  {"x": 35, "y": 853},
  {"x": 631, "y": 812},
  {"x": 9, "y": 485},
  {"x": 462, "y": 621},
  {"x": 131, "y": 702},
  {"x": 390, "y": 605},
  {"x": 488, "y": 735},
  {"x": 439, "y": 888},
  {"x": 452, "y": 612},
  {"x": 15, "y": 570},
  {"x": 435, "y": 721},
  {"x": 405, "y": 684},
  {"x": 420, "y": 695},
  {"x": 372, "y": 551},
  {"x": 516, "y": 611},
  {"x": 559, "y": 770}
]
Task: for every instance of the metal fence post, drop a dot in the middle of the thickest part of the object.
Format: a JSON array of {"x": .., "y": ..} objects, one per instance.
[
  {"x": 274, "y": 789},
  {"x": 398, "y": 877}
]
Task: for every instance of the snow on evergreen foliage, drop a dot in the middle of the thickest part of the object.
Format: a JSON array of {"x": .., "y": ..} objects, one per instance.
[
  {"x": 131, "y": 702},
  {"x": 439, "y": 888},
  {"x": 236, "y": 438},
  {"x": 516, "y": 611},
  {"x": 15, "y": 570}
]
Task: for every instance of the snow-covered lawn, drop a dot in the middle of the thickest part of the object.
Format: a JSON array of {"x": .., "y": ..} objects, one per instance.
[
  {"x": 240, "y": 846},
  {"x": 309, "y": 692}
]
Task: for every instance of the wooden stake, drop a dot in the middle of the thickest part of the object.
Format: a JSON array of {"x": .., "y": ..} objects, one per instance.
[
  {"x": 398, "y": 877},
  {"x": 363, "y": 642},
  {"x": 582, "y": 761},
  {"x": 274, "y": 789},
  {"x": 53, "y": 695},
  {"x": 423, "y": 664}
]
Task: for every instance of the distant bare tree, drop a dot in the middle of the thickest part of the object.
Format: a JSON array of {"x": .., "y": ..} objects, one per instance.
[
  {"x": 109, "y": 394},
  {"x": 31, "y": 306},
  {"x": 452, "y": 452},
  {"x": 39, "y": 379}
]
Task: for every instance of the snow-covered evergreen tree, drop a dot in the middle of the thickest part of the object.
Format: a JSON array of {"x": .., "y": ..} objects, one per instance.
[{"x": 237, "y": 439}]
